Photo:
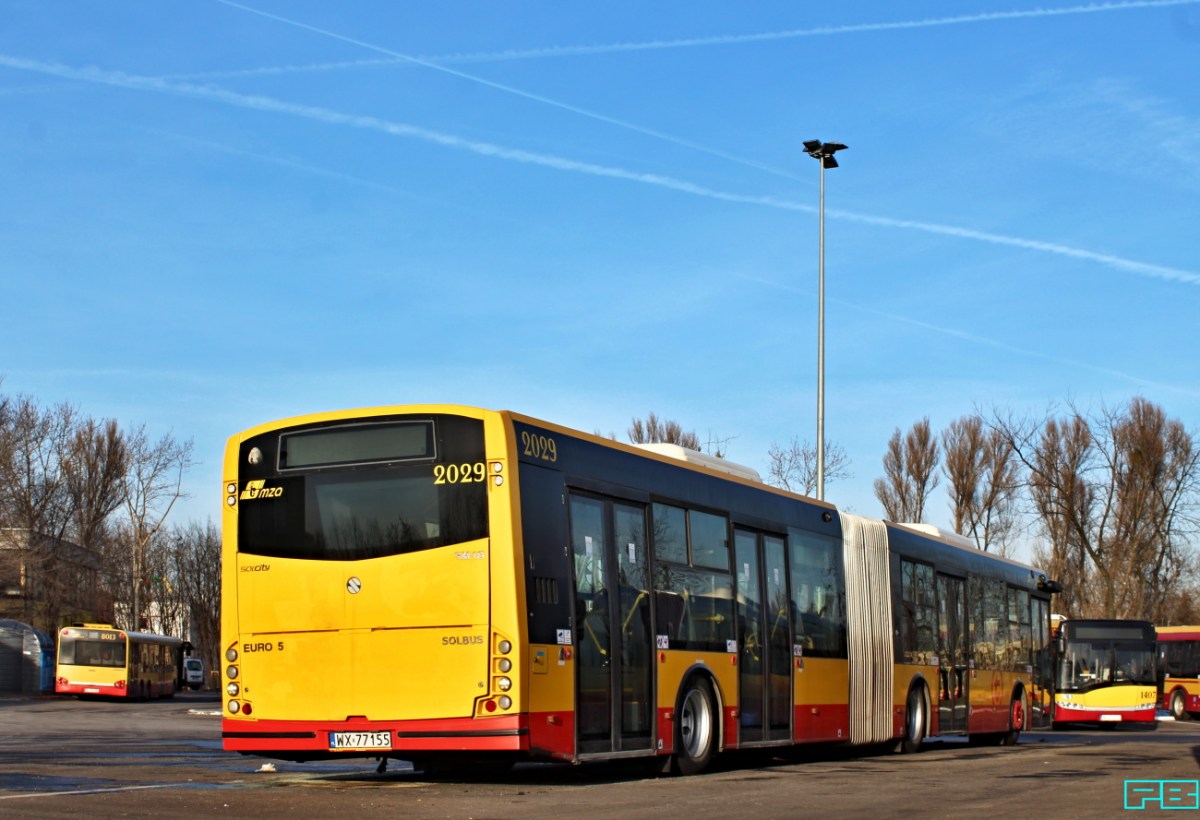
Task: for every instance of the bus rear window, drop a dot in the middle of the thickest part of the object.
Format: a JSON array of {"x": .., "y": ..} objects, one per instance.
[
  {"x": 91, "y": 652},
  {"x": 352, "y": 490},
  {"x": 346, "y": 516}
]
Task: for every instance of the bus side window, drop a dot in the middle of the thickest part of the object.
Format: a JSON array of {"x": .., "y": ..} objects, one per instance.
[
  {"x": 595, "y": 630},
  {"x": 671, "y": 611}
]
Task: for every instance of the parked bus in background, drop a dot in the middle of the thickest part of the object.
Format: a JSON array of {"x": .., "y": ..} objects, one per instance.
[
  {"x": 99, "y": 659},
  {"x": 451, "y": 585},
  {"x": 1179, "y": 659},
  {"x": 1106, "y": 672}
]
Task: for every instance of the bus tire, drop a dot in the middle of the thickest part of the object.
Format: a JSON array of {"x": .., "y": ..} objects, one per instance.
[
  {"x": 695, "y": 727},
  {"x": 915, "y": 721},
  {"x": 1179, "y": 706},
  {"x": 1016, "y": 721}
]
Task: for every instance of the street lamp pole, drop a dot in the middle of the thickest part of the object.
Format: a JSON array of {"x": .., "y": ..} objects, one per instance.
[{"x": 823, "y": 152}]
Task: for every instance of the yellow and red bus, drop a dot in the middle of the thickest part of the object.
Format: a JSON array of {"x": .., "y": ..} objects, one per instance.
[
  {"x": 439, "y": 583},
  {"x": 100, "y": 659},
  {"x": 1106, "y": 672},
  {"x": 1179, "y": 663}
]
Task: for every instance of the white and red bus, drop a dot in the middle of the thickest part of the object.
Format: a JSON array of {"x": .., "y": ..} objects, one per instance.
[
  {"x": 100, "y": 659},
  {"x": 1179, "y": 659},
  {"x": 1107, "y": 672}
]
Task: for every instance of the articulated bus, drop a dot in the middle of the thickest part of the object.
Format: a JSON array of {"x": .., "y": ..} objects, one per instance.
[
  {"x": 1107, "y": 672},
  {"x": 99, "y": 659},
  {"x": 446, "y": 585},
  {"x": 1179, "y": 663}
]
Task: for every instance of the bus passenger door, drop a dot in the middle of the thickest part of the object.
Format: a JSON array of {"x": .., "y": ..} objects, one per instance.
[
  {"x": 1041, "y": 694},
  {"x": 613, "y": 706},
  {"x": 953, "y": 674},
  {"x": 764, "y": 639}
]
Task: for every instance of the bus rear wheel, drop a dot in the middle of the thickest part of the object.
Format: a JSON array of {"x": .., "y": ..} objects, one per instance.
[
  {"x": 1179, "y": 706},
  {"x": 695, "y": 728},
  {"x": 914, "y": 722}
]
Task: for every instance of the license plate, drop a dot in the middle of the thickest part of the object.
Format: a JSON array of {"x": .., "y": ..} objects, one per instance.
[{"x": 345, "y": 741}]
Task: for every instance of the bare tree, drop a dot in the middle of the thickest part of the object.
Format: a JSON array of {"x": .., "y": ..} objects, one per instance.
[
  {"x": 94, "y": 464},
  {"x": 655, "y": 430},
  {"x": 196, "y": 554},
  {"x": 1157, "y": 481},
  {"x": 94, "y": 467},
  {"x": 32, "y": 443},
  {"x": 153, "y": 483},
  {"x": 983, "y": 475},
  {"x": 63, "y": 550},
  {"x": 1116, "y": 495},
  {"x": 794, "y": 468},
  {"x": 910, "y": 473},
  {"x": 1182, "y": 605},
  {"x": 34, "y": 504}
]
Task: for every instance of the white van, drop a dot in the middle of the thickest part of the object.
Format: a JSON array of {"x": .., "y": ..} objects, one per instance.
[{"x": 193, "y": 673}]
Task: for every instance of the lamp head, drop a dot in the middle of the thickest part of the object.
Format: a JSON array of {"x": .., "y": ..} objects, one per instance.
[{"x": 823, "y": 151}]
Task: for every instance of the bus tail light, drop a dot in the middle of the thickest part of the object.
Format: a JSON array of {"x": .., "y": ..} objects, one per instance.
[{"x": 491, "y": 704}]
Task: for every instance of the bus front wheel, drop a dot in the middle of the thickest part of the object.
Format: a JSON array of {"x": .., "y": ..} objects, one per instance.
[
  {"x": 1016, "y": 722},
  {"x": 1179, "y": 706},
  {"x": 695, "y": 728}
]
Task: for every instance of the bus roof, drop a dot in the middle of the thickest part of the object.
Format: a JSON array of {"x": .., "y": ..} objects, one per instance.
[
  {"x": 937, "y": 532},
  {"x": 696, "y": 457},
  {"x": 1178, "y": 633},
  {"x": 145, "y": 637}
]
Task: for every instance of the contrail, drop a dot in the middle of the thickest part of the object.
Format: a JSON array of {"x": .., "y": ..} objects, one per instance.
[
  {"x": 1146, "y": 269},
  {"x": 261, "y": 103},
  {"x": 984, "y": 341},
  {"x": 437, "y": 63},
  {"x": 1029, "y": 354},
  {"x": 820, "y": 31},
  {"x": 315, "y": 113},
  {"x": 508, "y": 89},
  {"x": 690, "y": 42}
]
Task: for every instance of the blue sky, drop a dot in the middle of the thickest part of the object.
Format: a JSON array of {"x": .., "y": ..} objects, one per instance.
[{"x": 213, "y": 214}]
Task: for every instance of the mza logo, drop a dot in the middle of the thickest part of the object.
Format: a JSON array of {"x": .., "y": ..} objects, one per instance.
[{"x": 255, "y": 489}]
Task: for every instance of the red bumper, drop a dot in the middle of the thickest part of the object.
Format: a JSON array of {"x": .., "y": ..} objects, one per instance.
[{"x": 303, "y": 737}]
